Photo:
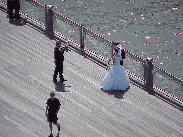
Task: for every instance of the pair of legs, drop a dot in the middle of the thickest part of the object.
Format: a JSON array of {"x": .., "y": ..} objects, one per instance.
[
  {"x": 53, "y": 119},
  {"x": 58, "y": 69},
  {"x": 50, "y": 125}
]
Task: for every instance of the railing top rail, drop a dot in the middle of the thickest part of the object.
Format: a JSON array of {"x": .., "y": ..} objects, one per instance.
[
  {"x": 98, "y": 37},
  {"x": 33, "y": 2},
  {"x": 168, "y": 75},
  {"x": 66, "y": 19},
  {"x": 70, "y": 41},
  {"x": 135, "y": 57},
  {"x": 87, "y": 31}
]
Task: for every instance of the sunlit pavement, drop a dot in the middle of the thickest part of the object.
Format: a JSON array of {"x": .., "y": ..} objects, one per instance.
[{"x": 27, "y": 65}]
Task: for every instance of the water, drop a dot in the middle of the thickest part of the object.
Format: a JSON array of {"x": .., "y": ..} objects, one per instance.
[{"x": 148, "y": 28}]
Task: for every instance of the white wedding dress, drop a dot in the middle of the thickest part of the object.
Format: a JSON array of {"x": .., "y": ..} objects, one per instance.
[{"x": 116, "y": 78}]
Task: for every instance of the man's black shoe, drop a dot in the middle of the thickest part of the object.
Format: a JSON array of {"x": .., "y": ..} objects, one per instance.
[
  {"x": 58, "y": 128},
  {"x": 51, "y": 135}
]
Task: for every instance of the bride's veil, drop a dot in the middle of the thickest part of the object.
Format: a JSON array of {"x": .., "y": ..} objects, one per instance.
[{"x": 119, "y": 49}]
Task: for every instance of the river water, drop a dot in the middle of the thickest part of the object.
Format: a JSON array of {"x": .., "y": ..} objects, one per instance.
[{"x": 148, "y": 28}]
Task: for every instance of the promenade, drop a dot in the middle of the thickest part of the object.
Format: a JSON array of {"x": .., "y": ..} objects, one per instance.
[{"x": 26, "y": 71}]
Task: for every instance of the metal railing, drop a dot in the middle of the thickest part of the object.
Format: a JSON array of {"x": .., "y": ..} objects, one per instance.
[
  {"x": 168, "y": 82},
  {"x": 102, "y": 49}
]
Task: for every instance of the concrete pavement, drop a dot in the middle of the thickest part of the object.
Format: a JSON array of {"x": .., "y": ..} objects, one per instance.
[{"x": 27, "y": 64}]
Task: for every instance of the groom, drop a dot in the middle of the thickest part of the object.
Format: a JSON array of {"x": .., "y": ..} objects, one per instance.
[{"x": 117, "y": 46}]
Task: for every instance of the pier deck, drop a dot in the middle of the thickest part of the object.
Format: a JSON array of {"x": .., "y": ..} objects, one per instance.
[{"x": 27, "y": 65}]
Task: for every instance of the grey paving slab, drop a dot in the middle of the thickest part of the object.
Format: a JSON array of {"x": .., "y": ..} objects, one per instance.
[
  {"x": 9, "y": 130},
  {"x": 26, "y": 69}
]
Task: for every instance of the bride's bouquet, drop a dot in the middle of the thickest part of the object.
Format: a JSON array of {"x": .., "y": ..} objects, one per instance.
[{"x": 110, "y": 61}]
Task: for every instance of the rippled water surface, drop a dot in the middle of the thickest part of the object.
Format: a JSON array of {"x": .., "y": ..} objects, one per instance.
[{"x": 148, "y": 28}]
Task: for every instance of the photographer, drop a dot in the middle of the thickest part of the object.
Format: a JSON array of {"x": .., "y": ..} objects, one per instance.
[{"x": 59, "y": 58}]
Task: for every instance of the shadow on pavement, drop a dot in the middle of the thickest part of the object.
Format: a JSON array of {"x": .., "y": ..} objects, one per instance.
[
  {"x": 117, "y": 93},
  {"x": 60, "y": 87},
  {"x": 17, "y": 22}
]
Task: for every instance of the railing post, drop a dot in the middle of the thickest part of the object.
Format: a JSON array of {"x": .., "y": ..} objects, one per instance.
[
  {"x": 148, "y": 75},
  {"x": 82, "y": 37},
  {"x": 49, "y": 18}
]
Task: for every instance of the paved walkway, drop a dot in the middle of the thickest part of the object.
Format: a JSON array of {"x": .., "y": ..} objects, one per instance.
[{"x": 26, "y": 69}]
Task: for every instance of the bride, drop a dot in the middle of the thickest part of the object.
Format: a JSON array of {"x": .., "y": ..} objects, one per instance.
[{"x": 116, "y": 78}]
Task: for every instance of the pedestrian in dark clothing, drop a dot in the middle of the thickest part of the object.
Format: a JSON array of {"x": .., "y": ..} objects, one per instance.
[
  {"x": 123, "y": 57},
  {"x": 52, "y": 108},
  {"x": 13, "y": 4},
  {"x": 59, "y": 59}
]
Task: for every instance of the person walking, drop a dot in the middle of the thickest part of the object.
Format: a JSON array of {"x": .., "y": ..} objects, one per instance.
[
  {"x": 13, "y": 4},
  {"x": 59, "y": 59},
  {"x": 52, "y": 108}
]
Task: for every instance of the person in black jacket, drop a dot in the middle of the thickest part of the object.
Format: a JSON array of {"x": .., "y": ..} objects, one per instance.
[
  {"x": 13, "y": 4},
  {"x": 59, "y": 58},
  {"x": 123, "y": 56}
]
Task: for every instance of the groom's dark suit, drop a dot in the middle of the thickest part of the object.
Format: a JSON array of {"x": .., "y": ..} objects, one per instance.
[{"x": 123, "y": 57}]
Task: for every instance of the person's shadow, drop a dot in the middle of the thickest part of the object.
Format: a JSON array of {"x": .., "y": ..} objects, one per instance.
[
  {"x": 117, "y": 93},
  {"x": 56, "y": 136},
  {"x": 19, "y": 22},
  {"x": 60, "y": 87}
]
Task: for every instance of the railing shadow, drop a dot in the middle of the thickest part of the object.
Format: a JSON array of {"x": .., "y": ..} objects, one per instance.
[
  {"x": 168, "y": 100},
  {"x": 155, "y": 93}
]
